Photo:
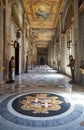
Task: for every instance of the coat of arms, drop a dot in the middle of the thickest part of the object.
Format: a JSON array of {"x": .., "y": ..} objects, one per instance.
[{"x": 41, "y": 103}]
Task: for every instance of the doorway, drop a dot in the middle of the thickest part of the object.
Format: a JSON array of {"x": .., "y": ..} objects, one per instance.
[
  {"x": 42, "y": 61},
  {"x": 17, "y": 59}
]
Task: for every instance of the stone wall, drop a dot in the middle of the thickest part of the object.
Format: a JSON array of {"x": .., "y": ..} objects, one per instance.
[{"x": 64, "y": 24}]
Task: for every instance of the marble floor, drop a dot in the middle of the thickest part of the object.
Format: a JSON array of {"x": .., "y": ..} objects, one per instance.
[{"x": 55, "y": 104}]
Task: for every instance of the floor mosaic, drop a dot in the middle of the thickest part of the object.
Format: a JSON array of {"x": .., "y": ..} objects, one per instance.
[{"x": 41, "y": 99}]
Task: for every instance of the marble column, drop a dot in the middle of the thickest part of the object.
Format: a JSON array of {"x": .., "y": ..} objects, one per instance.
[
  {"x": 75, "y": 25},
  {"x": 62, "y": 46},
  {"x": 7, "y": 38}
]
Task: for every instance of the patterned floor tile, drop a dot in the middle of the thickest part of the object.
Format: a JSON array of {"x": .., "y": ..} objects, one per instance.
[{"x": 42, "y": 79}]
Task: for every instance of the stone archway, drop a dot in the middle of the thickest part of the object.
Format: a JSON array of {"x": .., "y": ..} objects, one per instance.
[{"x": 68, "y": 17}]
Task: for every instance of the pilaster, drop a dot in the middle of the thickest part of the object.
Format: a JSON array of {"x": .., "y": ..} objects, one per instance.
[
  {"x": 75, "y": 25},
  {"x": 7, "y": 38}
]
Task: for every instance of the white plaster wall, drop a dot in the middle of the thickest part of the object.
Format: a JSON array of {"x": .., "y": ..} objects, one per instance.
[
  {"x": 67, "y": 53},
  {"x": 66, "y": 58}
]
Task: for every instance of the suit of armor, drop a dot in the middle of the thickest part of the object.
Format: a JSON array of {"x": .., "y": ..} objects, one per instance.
[{"x": 12, "y": 69}]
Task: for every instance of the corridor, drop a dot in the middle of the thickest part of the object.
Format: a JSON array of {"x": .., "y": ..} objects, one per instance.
[{"x": 41, "y": 99}]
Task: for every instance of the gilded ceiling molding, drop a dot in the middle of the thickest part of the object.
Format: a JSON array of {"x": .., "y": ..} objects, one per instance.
[
  {"x": 42, "y": 17},
  {"x": 42, "y": 14}
]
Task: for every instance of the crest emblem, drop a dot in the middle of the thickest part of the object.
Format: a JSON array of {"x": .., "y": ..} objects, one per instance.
[{"x": 41, "y": 103}]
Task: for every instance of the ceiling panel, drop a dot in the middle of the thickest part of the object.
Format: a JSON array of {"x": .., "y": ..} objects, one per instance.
[
  {"x": 42, "y": 13},
  {"x": 42, "y": 16}
]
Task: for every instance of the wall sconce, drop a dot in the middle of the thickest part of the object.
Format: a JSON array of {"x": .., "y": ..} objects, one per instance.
[
  {"x": 12, "y": 43},
  {"x": 15, "y": 44}
]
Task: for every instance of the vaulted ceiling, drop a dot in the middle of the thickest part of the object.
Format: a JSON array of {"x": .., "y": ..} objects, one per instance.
[{"x": 42, "y": 16}]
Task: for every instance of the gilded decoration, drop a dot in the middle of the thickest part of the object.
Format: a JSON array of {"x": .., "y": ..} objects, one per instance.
[
  {"x": 42, "y": 15},
  {"x": 41, "y": 103},
  {"x": 42, "y": 10}
]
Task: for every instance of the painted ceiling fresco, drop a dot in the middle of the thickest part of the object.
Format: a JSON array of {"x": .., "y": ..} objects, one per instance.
[{"x": 42, "y": 16}]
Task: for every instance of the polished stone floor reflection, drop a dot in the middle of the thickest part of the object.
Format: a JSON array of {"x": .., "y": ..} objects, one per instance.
[{"x": 41, "y": 99}]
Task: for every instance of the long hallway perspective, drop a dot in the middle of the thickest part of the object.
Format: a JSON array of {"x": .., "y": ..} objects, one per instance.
[
  {"x": 41, "y": 99},
  {"x": 41, "y": 64}
]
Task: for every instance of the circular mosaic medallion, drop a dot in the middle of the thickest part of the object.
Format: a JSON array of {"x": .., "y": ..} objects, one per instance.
[
  {"x": 40, "y": 109},
  {"x": 40, "y": 104}
]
